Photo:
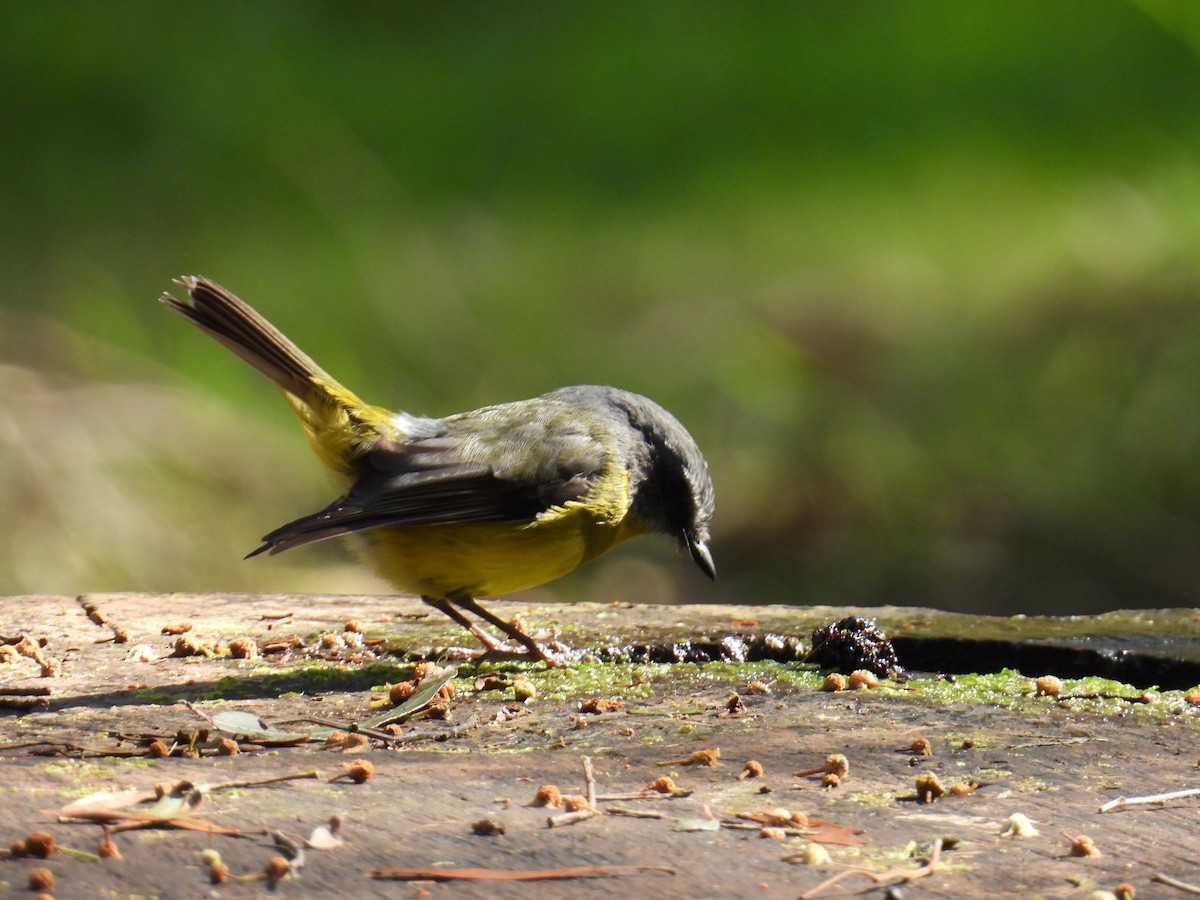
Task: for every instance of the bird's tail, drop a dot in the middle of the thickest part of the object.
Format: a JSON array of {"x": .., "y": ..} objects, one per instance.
[
  {"x": 336, "y": 420},
  {"x": 236, "y": 325}
]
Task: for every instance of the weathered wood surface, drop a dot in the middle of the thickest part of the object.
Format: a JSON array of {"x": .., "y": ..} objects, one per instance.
[{"x": 1055, "y": 762}]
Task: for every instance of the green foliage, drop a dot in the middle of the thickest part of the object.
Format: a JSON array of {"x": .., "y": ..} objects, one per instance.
[{"x": 921, "y": 276}]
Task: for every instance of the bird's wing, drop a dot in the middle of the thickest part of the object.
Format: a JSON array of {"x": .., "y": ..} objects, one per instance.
[{"x": 428, "y": 482}]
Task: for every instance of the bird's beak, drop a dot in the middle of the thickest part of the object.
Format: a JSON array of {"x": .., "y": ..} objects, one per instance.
[{"x": 701, "y": 554}]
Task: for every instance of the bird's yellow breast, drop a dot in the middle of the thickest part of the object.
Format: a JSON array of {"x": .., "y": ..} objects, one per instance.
[{"x": 486, "y": 559}]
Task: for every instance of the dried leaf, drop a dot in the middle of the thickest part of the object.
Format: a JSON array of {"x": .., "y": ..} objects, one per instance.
[
  {"x": 424, "y": 695},
  {"x": 248, "y": 725},
  {"x": 104, "y": 800},
  {"x": 182, "y": 823}
]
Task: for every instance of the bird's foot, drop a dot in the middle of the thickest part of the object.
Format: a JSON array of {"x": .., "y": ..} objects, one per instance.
[{"x": 555, "y": 655}]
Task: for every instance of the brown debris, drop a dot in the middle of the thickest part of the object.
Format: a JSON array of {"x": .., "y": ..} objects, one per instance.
[
  {"x": 93, "y": 611},
  {"x": 752, "y": 769},
  {"x": 347, "y": 742},
  {"x": 108, "y": 848},
  {"x": 278, "y": 868},
  {"x": 40, "y": 844},
  {"x": 834, "y": 681},
  {"x": 28, "y": 647},
  {"x": 426, "y": 669},
  {"x": 778, "y": 818},
  {"x": 493, "y": 681},
  {"x": 487, "y": 828},
  {"x": 862, "y": 679},
  {"x": 574, "y": 802},
  {"x": 41, "y": 880},
  {"x": 360, "y": 771},
  {"x": 243, "y": 648},
  {"x": 664, "y": 785},
  {"x": 706, "y": 757},
  {"x": 1049, "y": 686},
  {"x": 280, "y": 645},
  {"x": 835, "y": 764},
  {"x": 548, "y": 795},
  {"x": 401, "y": 691},
  {"x": 227, "y": 747},
  {"x": 929, "y": 787},
  {"x": 596, "y": 705},
  {"x": 1082, "y": 845},
  {"x": 189, "y": 645},
  {"x": 921, "y": 747}
]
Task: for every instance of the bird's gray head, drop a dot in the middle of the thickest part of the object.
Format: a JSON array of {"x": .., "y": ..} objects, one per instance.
[{"x": 672, "y": 490}]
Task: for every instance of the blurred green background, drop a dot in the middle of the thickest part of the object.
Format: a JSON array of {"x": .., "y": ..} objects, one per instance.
[{"x": 923, "y": 278}]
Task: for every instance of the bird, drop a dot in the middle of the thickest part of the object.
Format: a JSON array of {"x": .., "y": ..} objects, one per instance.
[{"x": 481, "y": 503}]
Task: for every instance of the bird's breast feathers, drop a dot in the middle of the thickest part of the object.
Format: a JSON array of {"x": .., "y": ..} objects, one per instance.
[{"x": 484, "y": 559}]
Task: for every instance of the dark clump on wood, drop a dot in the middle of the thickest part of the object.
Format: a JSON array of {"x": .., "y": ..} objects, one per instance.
[{"x": 854, "y": 643}]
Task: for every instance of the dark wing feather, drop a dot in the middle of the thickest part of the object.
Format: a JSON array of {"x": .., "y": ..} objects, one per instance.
[{"x": 433, "y": 495}]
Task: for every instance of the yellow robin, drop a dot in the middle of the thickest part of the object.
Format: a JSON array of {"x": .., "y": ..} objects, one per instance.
[{"x": 480, "y": 503}]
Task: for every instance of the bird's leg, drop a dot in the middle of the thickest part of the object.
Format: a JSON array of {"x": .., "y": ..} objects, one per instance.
[
  {"x": 536, "y": 650},
  {"x": 445, "y": 606},
  {"x": 493, "y": 649}
]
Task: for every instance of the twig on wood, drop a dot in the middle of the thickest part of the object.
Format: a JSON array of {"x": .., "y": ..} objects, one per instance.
[
  {"x": 635, "y": 813},
  {"x": 233, "y": 785},
  {"x": 1175, "y": 883},
  {"x": 579, "y": 815},
  {"x": 25, "y": 745},
  {"x": 123, "y": 821},
  {"x": 905, "y": 875},
  {"x": 350, "y": 727},
  {"x": 1122, "y": 802},
  {"x": 58, "y": 748},
  {"x": 569, "y": 818},
  {"x": 590, "y": 777},
  {"x": 404, "y": 874}
]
